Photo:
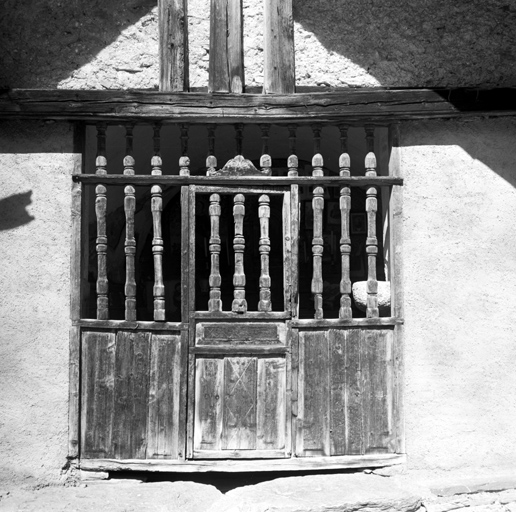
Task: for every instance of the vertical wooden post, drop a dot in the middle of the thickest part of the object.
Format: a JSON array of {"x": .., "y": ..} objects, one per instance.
[
  {"x": 371, "y": 240},
  {"x": 264, "y": 213},
  {"x": 279, "y": 71},
  {"x": 292, "y": 164},
  {"x": 102, "y": 286},
  {"x": 345, "y": 239},
  {"x": 239, "y": 304},
  {"x": 173, "y": 45},
  {"x": 130, "y": 241},
  {"x": 215, "y": 280},
  {"x": 226, "y": 71},
  {"x": 317, "y": 240}
]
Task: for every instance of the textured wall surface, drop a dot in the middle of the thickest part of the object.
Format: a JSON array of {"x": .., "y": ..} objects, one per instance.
[
  {"x": 460, "y": 281},
  {"x": 35, "y": 210},
  {"x": 422, "y": 43}
]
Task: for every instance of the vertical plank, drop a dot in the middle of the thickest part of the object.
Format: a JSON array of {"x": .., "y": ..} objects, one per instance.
[
  {"x": 183, "y": 442},
  {"x": 372, "y": 310},
  {"x": 299, "y": 405},
  {"x": 338, "y": 405},
  {"x": 264, "y": 247},
  {"x": 74, "y": 392},
  {"x": 187, "y": 250},
  {"x": 270, "y": 404},
  {"x": 377, "y": 391},
  {"x": 226, "y": 67},
  {"x": 164, "y": 400},
  {"x": 278, "y": 47},
  {"x": 239, "y": 422},
  {"x": 209, "y": 390},
  {"x": 287, "y": 253},
  {"x": 173, "y": 45},
  {"x": 354, "y": 410},
  {"x": 97, "y": 404},
  {"x": 287, "y": 410},
  {"x": 131, "y": 395},
  {"x": 316, "y": 425},
  {"x": 215, "y": 279},
  {"x": 345, "y": 238},
  {"x": 239, "y": 304},
  {"x": 294, "y": 240}
]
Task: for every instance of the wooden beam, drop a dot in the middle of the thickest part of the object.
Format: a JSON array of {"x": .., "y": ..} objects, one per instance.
[
  {"x": 173, "y": 45},
  {"x": 226, "y": 72},
  {"x": 351, "y": 106},
  {"x": 279, "y": 71}
]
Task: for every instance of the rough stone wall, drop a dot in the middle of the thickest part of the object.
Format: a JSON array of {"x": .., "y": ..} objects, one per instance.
[
  {"x": 92, "y": 44},
  {"x": 35, "y": 211},
  {"x": 459, "y": 273}
]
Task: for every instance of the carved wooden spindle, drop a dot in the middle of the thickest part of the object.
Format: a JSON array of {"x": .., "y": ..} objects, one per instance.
[
  {"x": 317, "y": 165},
  {"x": 266, "y": 164},
  {"x": 265, "y": 138},
  {"x": 264, "y": 213},
  {"x": 215, "y": 302},
  {"x": 292, "y": 138},
  {"x": 345, "y": 240},
  {"x": 371, "y": 241},
  {"x": 211, "y": 161},
  {"x": 184, "y": 166},
  {"x": 157, "y": 251},
  {"x": 317, "y": 251},
  {"x": 239, "y": 304},
  {"x": 130, "y": 252},
  {"x": 239, "y": 137},
  {"x": 101, "y": 247},
  {"x": 292, "y": 164}
]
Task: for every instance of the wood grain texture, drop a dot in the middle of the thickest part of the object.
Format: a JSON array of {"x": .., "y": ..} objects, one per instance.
[
  {"x": 164, "y": 397},
  {"x": 354, "y": 408},
  {"x": 131, "y": 391},
  {"x": 102, "y": 285},
  {"x": 338, "y": 391},
  {"x": 239, "y": 304},
  {"x": 173, "y": 45},
  {"x": 130, "y": 254},
  {"x": 215, "y": 279},
  {"x": 264, "y": 247},
  {"x": 355, "y": 105},
  {"x": 317, "y": 251},
  {"x": 244, "y": 333},
  {"x": 158, "y": 289},
  {"x": 278, "y": 48},
  {"x": 76, "y": 262},
  {"x": 294, "y": 244},
  {"x": 97, "y": 404},
  {"x": 74, "y": 392},
  {"x": 226, "y": 68}
]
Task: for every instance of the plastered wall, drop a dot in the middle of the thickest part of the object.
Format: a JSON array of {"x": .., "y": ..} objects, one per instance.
[
  {"x": 420, "y": 43},
  {"x": 459, "y": 254},
  {"x": 36, "y": 161}
]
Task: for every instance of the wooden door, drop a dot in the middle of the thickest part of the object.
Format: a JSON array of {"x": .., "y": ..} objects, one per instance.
[{"x": 240, "y": 310}]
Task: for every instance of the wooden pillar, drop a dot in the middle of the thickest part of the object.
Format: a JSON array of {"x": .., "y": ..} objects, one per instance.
[
  {"x": 173, "y": 45},
  {"x": 345, "y": 239},
  {"x": 239, "y": 303},
  {"x": 215, "y": 280},
  {"x": 264, "y": 213},
  {"x": 278, "y": 73},
  {"x": 371, "y": 240},
  {"x": 226, "y": 72}
]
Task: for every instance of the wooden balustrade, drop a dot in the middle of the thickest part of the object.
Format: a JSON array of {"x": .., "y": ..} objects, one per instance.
[
  {"x": 215, "y": 280},
  {"x": 264, "y": 245},
  {"x": 239, "y": 304}
]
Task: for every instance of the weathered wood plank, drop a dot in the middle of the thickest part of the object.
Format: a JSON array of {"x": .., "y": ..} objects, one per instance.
[
  {"x": 315, "y": 393},
  {"x": 354, "y": 409},
  {"x": 164, "y": 397},
  {"x": 131, "y": 395},
  {"x": 183, "y": 441},
  {"x": 245, "y": 333},
  {"x": 74, "y": 392},
  {"x": 187, "y": 251},
  {"x": 241, "y": 350},
  {"x": 294, "y": 243},
  {"x": 349, "y": 322},
  {"x": 270, "y": 404},
  {"x": 76, "y": 252},
  {"x": 338, "y": 402},
  {"x": 278, "y": 48},
  {"x": 173, "y": 45},
  {"x": 350, "y": 105},
  {"x": 122, "y": 324},
  {"x": 209, "y": 393},
  {"x": 226, "y": 68},
  {"x": 239, "y": 422},
  {"x": 287, "y": 253},
  {"x": 98, "y": 370}
]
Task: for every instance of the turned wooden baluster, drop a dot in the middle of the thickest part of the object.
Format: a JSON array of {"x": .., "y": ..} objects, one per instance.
[
  {"x": 211, "y": 161},
  {"x": 292, "y": 161},
  {"x": 371, "y": 241},
  {"x": 345, "y": 240},
  {"x": 264, "y": 213},
  {"x": 130, "y": 241},
  {"x": 317, "y": 251},
  {"x": 157, "y": 239},
  {"x": 215, "y": 302},
  {"x": 292, "y": 164},
  {"x": 101, "y": 241},
  {"x": 239, "y": 304}
]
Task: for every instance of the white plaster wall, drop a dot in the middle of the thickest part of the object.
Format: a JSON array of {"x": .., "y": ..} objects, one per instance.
[
  {"x": 460, "y": 285},
  {"x": 34, "y": 300}
]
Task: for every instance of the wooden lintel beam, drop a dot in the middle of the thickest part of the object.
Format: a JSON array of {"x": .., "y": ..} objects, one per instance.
[
  {"x": 173, "y": 45},
  {"x": 353, "y": 105}
]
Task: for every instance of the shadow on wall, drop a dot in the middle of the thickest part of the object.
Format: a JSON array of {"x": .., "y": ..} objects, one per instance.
[
  {"x": 13, "y": 211},
  {"x": 44, "y": 42},
  {"x": 418, "y": 43}
]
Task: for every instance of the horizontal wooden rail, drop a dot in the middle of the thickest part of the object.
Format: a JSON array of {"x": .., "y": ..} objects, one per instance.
[
  {"x": 142, "y": 180},
  {"x": 352, "y": 105}
]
